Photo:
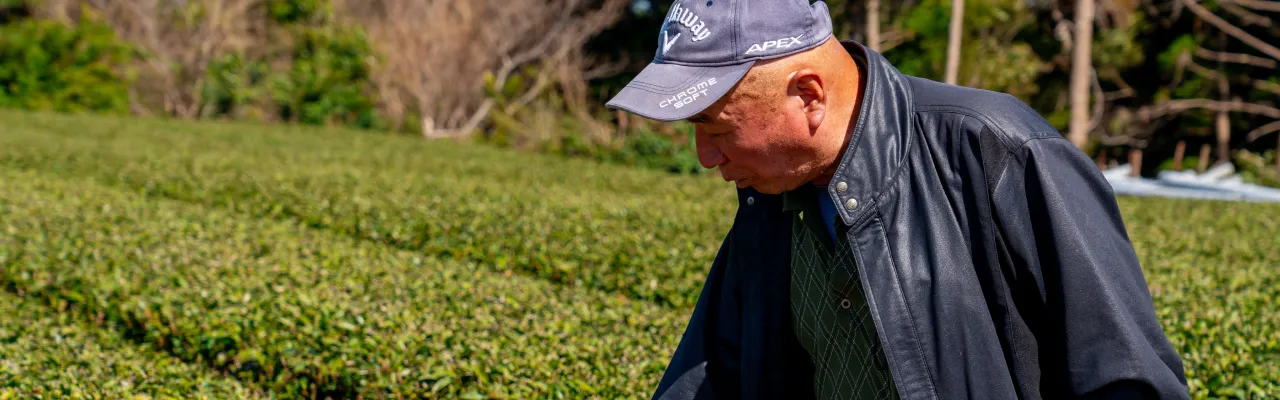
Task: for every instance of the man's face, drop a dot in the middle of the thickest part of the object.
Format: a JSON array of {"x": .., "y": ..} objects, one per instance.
[{"x": 759, "y": 140}]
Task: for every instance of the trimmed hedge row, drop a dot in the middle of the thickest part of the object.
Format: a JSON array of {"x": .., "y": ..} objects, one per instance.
[
  {"x": 1211, "y": 266},
  {"x": 48, "y": 354},
  {"x": 1214, "y": 273},
  {"x": 643, "y": 235},
  {"x": 304, "y": 313}
]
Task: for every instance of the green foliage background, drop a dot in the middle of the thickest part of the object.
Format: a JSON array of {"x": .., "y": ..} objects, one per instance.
[
  {"x": 313, "y": 70},
  {"x": 45, "y": 65},
  {"x": 303, "y": 262},
  {"x": 325, "y": 80},
  {"x": 229, "y": 259}
]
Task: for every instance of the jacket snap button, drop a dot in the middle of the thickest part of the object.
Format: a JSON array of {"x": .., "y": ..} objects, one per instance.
[
  {"x": 851, "y": 204},
  {"x": 845, "y": 304},
  {"x": 751, "y": 200},
  {"x": 842, "y": 187}
]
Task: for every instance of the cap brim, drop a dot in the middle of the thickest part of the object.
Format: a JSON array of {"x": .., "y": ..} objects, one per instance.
[{"x": 672, "y": 92}]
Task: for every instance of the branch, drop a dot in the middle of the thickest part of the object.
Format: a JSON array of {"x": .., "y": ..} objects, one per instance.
[
  {"x": 1125, "y": 91},
  {"x": 1117, "y": 140},
  {"x": 1099, "y": 102},
  {"x": 472, "y": 123},
  {"x": 891, "y": 39},
  {"x": 1257, "y": 4},
  {"x": 1238, "y": 58},
  {"x": 1119, "y": 94},
  {"x": 1249, "y": 18},
  {"x": 544, "y": 78},
  {"x": 606, "y": 69},
  {"x": 1232, "y": 30},
  {"x": 1205, "y": 72},
  {"x": 1176, "y": 106},
  {"x": 1256, "y": 83},
  {"x": 1264, "y": 85},
  {"x": 1263, "y": 131}
]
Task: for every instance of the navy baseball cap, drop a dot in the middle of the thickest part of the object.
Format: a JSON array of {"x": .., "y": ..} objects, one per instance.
[{"x": 706, "y": 46}]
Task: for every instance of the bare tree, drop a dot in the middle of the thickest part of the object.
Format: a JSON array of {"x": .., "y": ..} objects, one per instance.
[
  {"x": 439, "y": 54},
  {"x": 180, "y": 38},
  {"x": 1081, "y": 72},
  {"x": 1235, "y": 58},
  {"x": 953, "y": 41},
  {"x": 1222, "y": 123},
  {"x": 1228, "y": 28},
  {"x": 1151, "y": 117}
]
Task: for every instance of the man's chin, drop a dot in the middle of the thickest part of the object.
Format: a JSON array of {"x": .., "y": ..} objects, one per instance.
[{"x": 766, "y": 188}]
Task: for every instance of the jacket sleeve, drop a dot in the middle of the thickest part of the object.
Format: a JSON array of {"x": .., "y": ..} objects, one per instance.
[
  {"x": 687, "y": 376},
  {"x": 1096, "y": 333}
]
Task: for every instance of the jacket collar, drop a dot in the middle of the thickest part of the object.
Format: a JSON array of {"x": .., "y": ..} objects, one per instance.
[{"x": 875, "y": 153}]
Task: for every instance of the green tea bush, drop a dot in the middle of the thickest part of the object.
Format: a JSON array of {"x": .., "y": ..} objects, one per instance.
[
  {"x": 1212, "y": 268},
  {"x": 47, "y": 353},
  {"x": 45, "y": 65},
  {"x": 636, "y": 233},
  {"x": 293, "y": 201},
  {"x": 308, "y": 314}
]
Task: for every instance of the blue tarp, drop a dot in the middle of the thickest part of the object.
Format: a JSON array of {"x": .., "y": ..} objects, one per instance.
[{"x": 1217, "y": 183}]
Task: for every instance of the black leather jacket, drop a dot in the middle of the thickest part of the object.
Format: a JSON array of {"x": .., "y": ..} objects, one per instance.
[{"x": 992, "y": 252}]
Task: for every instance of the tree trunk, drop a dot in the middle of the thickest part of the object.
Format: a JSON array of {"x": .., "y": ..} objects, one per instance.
[
  {"x": 953, "y": 41},
  {"x": 1081, "y": 72},
  {"x": 1204, "y": 159},
  {"x": 624, "y": 124},
  {"x": 428, "y": 127},
  {"x": 1178, "y": 154},
  {"x": 873, "y": 25},
  {"x": 1135, "y": 162},
  {"x": 1222, "y": 123}
]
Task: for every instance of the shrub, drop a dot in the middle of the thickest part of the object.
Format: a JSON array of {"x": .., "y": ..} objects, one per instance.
[
  {"x": 295, "y": 11},
  {"x": 236, "y": 87},
  {"x": 45, "y": 65},
  {"x": 327, "y": 80},
  {"x": 652, "y": 150}
]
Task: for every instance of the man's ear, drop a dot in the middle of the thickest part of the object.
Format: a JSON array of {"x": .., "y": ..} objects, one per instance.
[{"x": 812, "y": 91}]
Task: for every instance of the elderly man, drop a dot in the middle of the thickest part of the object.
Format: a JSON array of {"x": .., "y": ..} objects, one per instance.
[{"x": 896, "y": 237}]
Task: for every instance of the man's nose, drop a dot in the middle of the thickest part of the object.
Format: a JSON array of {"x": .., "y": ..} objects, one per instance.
[{"x": 708, "y": 155}]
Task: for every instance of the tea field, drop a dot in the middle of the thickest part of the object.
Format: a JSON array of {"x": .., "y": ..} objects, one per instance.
[{"x": 168, "y": 259}]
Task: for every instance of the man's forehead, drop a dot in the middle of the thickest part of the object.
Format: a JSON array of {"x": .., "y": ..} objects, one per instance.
[{"x": 713, "y": 111}]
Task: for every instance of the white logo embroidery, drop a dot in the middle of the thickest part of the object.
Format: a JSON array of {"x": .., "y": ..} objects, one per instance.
[
  {"x": 777, "y": 44},
  {"x": 666, "y": 46},
  {"x": 688, "y": 95},
  {"x": 690, "y": 20}
]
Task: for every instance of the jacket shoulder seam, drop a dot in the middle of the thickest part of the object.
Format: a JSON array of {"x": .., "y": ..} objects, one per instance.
[{"x": 1010, "y": 143}]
